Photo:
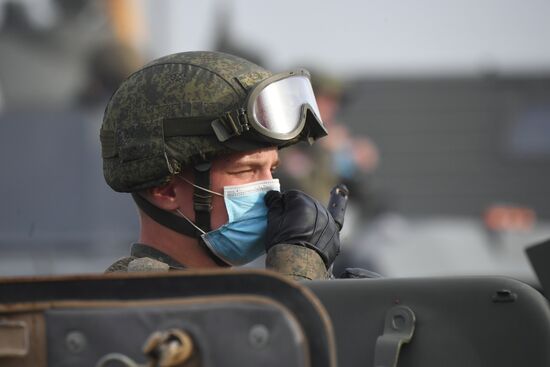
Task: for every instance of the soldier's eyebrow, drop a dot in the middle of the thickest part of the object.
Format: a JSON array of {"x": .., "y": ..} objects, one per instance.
[
  {"x": 253, "y": 160},
  {"x": 250, "y": 161}
]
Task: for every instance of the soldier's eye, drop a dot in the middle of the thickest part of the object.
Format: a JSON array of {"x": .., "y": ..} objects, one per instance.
[{"x": 243, "y": 172}]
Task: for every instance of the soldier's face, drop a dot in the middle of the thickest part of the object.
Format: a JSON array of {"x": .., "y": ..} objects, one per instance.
[{"x": 238, "y": 169}]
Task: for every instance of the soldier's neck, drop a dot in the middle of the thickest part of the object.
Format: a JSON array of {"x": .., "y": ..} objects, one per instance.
[{"x": 184, "y": 249}]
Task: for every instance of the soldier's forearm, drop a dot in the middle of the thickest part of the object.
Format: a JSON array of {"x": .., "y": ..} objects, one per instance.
[{"x": 296, "y": 262}]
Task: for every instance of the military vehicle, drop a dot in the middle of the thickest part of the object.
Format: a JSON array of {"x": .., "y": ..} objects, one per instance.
[{"x": 258, "y": 318}]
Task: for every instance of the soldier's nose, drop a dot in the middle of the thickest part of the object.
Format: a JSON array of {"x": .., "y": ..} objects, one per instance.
[{"x": 266, "y": 175}]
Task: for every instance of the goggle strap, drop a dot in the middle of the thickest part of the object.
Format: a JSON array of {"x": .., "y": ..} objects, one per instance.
[
  {"x": 231, "y": 124},
  {"x": 188, "y": 126}
]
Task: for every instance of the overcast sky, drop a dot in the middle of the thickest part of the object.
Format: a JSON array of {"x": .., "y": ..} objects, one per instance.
[{"x": 374, "y": 36}]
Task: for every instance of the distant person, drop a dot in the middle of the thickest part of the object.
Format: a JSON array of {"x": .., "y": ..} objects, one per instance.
[{"x": 194, "y": 137}]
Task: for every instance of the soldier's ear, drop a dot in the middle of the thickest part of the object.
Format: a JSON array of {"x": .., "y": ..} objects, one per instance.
[{"x": 165, "y": 196}]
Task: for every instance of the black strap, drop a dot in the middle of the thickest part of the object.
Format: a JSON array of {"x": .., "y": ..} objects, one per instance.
[
  {"x": 189, "y": 126},
  {"x": 230, "y": 124},
  {"x": 167, "y": 219},
  {"x": 202, "y": 200}
]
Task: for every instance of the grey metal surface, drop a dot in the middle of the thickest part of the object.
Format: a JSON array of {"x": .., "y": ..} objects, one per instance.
[
  {"x": 261, "y": 333},
  {"x": 469, "y": 321}
]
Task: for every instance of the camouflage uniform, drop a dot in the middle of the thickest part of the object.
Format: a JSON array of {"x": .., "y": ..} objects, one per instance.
[
  {"x": 299, "y": 263},
  {"x": 144, "y": 258}
]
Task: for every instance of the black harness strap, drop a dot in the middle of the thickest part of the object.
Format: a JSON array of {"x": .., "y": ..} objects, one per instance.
[
  {"x": 190, "y": 126},
  {"x": 167, "y": 219},
  {"x": 202, "y": 200}
]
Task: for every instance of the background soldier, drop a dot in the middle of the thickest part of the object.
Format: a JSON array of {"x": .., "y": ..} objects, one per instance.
[{"x": 194, "y": 137}]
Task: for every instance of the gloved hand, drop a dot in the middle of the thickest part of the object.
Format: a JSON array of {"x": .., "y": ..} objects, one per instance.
[{"x": 296, "y": 218}]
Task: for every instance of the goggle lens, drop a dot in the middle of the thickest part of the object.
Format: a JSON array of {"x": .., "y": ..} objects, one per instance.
[{"x": 278, "y": 106}]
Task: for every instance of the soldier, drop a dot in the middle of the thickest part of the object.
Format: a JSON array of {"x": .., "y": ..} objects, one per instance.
[{"x": 194, "y": 137}]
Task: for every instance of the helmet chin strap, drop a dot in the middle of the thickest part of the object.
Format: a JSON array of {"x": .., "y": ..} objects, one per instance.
[
  {"x": 202, "y": 199},
  {"x": 202, "y": 204},
  {"x": 166, "y": 218}
]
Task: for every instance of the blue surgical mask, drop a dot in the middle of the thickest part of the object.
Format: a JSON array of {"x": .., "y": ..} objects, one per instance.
[{"x": 242, "y": 238}]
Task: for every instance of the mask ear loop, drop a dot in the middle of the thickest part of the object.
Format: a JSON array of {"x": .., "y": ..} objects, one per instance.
[
  {"x": 199, "y": 187},
  {"x": 190, "y": 221}
]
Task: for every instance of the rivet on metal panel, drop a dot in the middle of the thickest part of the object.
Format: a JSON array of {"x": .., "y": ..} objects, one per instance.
[
  {"x": 258, "y": 336},
  {"x": 75, "y": 342}
]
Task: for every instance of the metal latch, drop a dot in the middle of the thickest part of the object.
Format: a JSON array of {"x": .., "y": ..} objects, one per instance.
[
  {"x": 398, "y": 330},
  {"x": 170, "y": 348},
  {"x": 14, "y": 338}
]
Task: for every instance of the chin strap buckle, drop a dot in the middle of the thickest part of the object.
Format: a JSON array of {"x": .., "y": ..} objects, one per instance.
[{"x": 202, "y": 202}]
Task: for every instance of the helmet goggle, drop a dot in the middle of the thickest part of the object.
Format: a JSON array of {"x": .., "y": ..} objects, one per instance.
[{"x": 279, "y": 110}]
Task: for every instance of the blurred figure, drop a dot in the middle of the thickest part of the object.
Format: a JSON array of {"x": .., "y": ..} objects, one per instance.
[{"x": 500, "y": 221}]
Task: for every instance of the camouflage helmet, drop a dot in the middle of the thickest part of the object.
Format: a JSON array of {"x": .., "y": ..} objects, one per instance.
[{"x": 137, "y": 152}]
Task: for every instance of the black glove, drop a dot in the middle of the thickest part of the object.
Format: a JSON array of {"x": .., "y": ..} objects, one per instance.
[{"x": 296, "y": 218}]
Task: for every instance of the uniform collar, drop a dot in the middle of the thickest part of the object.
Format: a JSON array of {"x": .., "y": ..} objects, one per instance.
[{"x": 142, "y": 250}]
